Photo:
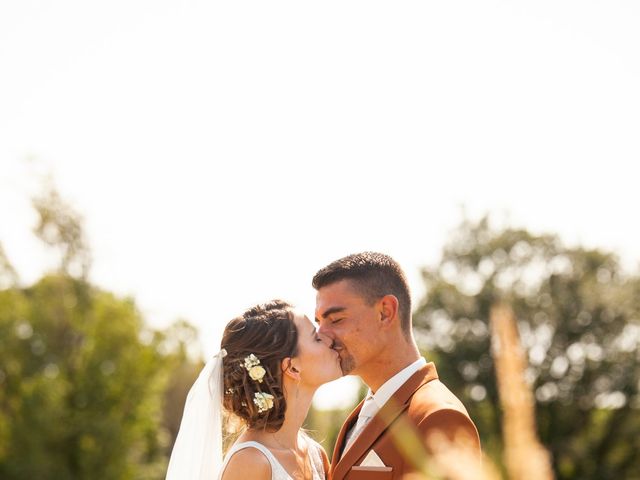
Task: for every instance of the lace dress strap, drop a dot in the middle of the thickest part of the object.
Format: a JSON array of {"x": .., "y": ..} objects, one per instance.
[
  {"x": 277, "y": 471},
  {"x": 317, "y": 465}
]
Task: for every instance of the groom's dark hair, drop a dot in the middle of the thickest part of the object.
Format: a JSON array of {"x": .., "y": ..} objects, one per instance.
[{"x": 373, "y": 275}]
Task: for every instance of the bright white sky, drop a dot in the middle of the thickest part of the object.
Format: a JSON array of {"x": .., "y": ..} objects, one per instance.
[{"x": 222, "y": 152}]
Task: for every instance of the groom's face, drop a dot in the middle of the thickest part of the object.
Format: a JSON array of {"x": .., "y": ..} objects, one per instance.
[{"x": 349, "y": 321}]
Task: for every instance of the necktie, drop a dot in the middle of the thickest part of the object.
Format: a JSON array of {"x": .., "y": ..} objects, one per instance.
[{"x": 369, "y": 409}]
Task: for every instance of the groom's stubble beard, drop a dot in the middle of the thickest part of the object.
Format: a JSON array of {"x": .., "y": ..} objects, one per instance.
[{"x": 347, "y": 362}]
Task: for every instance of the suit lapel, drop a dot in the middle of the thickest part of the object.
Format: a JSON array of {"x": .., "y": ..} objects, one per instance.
[
  {"x": 346, "y": 426},
  {"x": 397, "y": 404}
]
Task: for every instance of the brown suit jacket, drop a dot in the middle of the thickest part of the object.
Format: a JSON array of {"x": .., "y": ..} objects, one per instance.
[{"x": 408, "y": 430}]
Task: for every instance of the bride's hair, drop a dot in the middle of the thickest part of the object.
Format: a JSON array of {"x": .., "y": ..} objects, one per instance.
[{"x": 268, "y": 332}]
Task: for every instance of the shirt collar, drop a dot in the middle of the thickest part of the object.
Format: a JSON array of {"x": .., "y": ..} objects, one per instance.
[{"x": 391, "y": 386}]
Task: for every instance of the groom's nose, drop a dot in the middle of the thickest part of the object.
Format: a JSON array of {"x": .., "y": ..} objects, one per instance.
[
  {"x": 324, "y": 331},
  {"x": 328, "y": 341}
]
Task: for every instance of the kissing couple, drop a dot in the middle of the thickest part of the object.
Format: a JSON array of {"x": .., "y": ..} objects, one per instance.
[{"x": 272, "y": 359}]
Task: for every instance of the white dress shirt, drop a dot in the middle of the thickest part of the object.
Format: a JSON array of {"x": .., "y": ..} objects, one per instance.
[{"x": 375, "y": 401}]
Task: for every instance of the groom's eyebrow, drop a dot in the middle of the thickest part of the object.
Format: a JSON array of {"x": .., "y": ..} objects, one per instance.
[{"x": 330, "y": 311}]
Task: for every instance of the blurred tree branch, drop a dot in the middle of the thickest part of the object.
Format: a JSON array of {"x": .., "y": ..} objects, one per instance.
[
  {"x": 61, "y": 227},
  {"x": 578, "y": 318}
]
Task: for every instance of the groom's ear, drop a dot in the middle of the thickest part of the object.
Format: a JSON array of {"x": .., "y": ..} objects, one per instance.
[
  {"x": 388, "y": 309},
  {"x": 289, "y": 369}
]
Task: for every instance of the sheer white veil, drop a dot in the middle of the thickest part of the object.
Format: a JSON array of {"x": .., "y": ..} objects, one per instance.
[{"x": 197, "y": 453}]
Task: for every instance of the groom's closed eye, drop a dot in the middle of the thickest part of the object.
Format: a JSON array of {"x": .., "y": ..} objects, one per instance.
[{"x": 331, "y": 311}]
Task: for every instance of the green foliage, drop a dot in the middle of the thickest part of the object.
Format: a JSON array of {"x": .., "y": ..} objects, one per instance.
[
  {"x": 182, "y": 373},
  {"x": 85, "y": 386},
  {"x": 61, "y": 227},
  {"x": 324, "y": 425},
  {"x": 87, "y": 390},
  {"x": 8, "y": 275},
  {"x": 579, "y": 318},
  {"x": 80, "y": 391}
]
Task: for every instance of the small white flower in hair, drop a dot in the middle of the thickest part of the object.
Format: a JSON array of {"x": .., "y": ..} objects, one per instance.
[
  {"x": 263, "y": 401},
  {"x": 252, "y": 365},
  {"x": 251, "y": 361},
  {"x": 257, "y": 373}
]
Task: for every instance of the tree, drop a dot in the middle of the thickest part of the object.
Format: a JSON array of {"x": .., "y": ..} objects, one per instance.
[
  {"x": 183, "y": 370},
  {"x": 60, "y": 227},
  {"x": 579, "y": 319},
  {"x": 8, "y": 275},
  {"x": 82, "y": 378},
  {"x": 81, "y": 393}
]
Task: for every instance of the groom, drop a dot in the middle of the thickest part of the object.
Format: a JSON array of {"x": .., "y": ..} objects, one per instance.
[{"x": 409, "y": 422}]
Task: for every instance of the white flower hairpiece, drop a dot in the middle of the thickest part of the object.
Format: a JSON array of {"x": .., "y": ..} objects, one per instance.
[
  {"x": 263, "y": 401},
  {"x": 252, "y": 365}
]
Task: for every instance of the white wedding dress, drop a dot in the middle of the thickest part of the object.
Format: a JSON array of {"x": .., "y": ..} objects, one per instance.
[{"x": 277, "y": 471}]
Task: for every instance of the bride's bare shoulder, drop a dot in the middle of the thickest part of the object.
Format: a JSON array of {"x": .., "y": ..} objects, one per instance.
[{"x": 247, "y": 463}]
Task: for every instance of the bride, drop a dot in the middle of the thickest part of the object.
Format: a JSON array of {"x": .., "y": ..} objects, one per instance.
[{"x": 271, "y": 362}]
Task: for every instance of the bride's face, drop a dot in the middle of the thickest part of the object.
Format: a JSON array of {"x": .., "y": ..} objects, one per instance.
[{"x": 316, "y": 361}]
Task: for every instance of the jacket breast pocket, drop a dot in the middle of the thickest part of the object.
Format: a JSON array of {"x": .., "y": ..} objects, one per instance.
[{"x": 370, "y": 473}]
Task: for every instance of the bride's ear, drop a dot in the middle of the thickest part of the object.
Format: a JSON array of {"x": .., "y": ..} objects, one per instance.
[{"x": 289, "y": 368}]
